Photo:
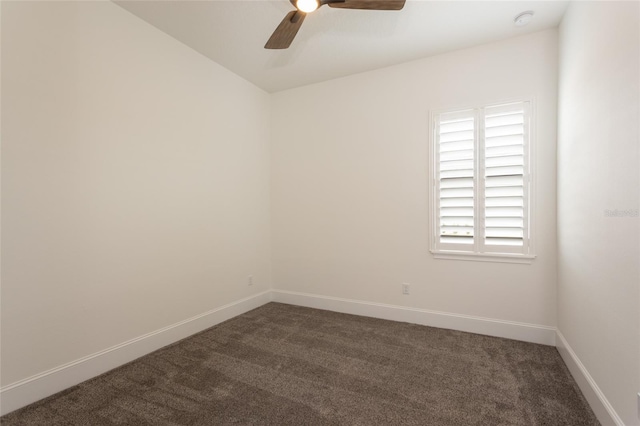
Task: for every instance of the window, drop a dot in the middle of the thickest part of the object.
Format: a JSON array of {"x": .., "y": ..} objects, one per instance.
[{"x": 481, "y": 183}]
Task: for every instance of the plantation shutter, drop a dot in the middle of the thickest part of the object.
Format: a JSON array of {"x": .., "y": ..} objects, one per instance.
[
  {"x": 456, "y": 172},
  {"x": 481, "y": 180},
  {"x": 505, "y": 197}
]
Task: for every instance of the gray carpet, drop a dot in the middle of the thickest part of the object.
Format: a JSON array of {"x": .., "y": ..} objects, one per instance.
[{"x": 287, "y": 365}]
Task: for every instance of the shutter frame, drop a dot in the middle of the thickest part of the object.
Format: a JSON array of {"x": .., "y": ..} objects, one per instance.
[{"x": 497, "y": 128}]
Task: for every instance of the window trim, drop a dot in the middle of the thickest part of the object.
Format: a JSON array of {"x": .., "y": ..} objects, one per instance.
[{"x": 530, "y": 177}]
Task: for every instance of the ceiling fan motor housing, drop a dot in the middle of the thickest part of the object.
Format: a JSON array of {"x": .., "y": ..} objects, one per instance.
[{"x": 288, "y": 28}]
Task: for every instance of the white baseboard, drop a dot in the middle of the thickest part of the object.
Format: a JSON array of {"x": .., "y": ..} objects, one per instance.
[
  {"x": 545, "y": 335},
  {"x": 598, "y": 402},
  {"x": 29, "y": 390},
  {"x": 24, "y": 392}
]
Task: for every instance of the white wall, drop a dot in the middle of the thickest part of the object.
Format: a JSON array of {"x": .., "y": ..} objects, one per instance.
[
  {"x": 135, "y": 183},
  {"x": 598, "y": 170},
  {"x": 350, "y": 184}
]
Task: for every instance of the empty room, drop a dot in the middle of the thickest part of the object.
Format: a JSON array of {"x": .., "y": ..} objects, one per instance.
[{"x": 320, "y": 212}]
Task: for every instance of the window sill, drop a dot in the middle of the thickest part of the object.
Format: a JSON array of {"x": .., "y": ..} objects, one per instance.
[{"x": 484, "y": 257}]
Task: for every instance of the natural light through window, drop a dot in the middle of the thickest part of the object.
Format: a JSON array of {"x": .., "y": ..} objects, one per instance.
[{"x": 482, "y": 182}]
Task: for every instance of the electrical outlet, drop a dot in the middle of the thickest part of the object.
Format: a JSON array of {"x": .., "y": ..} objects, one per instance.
[
  {"x": 250, "y": 280},
  {"x": 405, "y": 288}
]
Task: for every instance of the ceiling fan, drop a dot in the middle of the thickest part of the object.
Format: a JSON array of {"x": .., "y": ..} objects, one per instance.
[{"x": 288, "y": 28}]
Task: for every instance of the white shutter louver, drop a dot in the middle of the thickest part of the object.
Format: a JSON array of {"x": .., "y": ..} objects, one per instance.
[
  {"x": 456, "y": 164},
  {"x": 504, "y": 172}
]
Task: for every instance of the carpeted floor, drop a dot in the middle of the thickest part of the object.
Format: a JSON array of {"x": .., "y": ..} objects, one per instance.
[{"x": 287, "y": 365}]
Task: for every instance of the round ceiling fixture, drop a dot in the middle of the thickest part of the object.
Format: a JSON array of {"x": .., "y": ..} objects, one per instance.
[
  {"x": 523, "y": 19},
  {"x": 307, "y": 6}
]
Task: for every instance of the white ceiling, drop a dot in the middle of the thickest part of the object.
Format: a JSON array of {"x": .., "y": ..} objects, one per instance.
[{"x": 335, "y": 42}]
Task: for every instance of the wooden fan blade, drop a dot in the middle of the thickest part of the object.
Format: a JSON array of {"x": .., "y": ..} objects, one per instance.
[
  {"x": 369, "y": 4},
  {"x": 286, "y": 31}
]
